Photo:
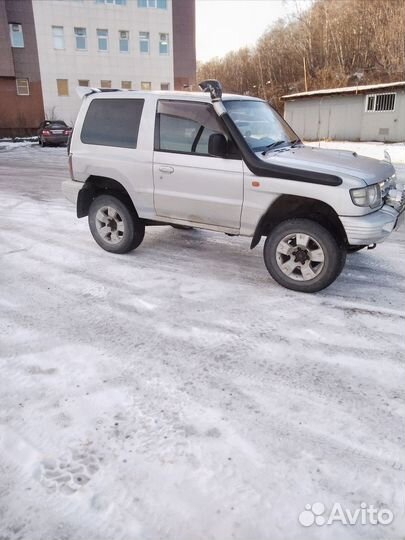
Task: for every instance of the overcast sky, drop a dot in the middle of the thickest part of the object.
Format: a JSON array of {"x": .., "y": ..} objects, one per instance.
[{"x": 226, "y": 25}]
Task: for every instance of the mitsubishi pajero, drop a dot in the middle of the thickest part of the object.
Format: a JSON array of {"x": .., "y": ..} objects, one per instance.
[{"x": 229, "y": 164}]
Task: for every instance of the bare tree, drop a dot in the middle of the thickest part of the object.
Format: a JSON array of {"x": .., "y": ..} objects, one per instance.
[{"x": 340, "y": 42}]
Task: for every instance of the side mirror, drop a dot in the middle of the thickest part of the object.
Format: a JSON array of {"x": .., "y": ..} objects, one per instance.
[{"x": 217, "y": 145}]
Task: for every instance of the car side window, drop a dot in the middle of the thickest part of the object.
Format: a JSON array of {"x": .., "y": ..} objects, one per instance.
[
  {"x": 185, "y": 126},
  {"x": 112, "y": 122}
]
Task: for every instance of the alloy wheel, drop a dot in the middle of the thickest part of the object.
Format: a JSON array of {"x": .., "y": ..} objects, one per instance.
[
  {"x": 110, "y": 225},
  {"x": 300, "y": 257}
]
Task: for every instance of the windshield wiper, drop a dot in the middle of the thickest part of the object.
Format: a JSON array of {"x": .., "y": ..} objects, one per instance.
[
  {"x": 272, "y": 145},
  {"x": 294, "y": 142}
]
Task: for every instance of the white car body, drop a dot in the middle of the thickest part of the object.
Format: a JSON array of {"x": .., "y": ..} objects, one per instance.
[
  {"x": 221, "y": 174},
  {"x": 221, "y": 196}
]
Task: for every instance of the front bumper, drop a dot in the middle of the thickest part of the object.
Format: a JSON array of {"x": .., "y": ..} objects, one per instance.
[
  {"x": 372, "y": 228},
  {"x": 70, "y": 189}
]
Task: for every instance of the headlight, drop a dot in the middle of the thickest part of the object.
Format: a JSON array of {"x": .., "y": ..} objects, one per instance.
[{"x": 368, "y": 196}]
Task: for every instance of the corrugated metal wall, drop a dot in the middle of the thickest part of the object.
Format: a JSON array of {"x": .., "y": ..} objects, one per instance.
[{"x": 345, "y": 118}]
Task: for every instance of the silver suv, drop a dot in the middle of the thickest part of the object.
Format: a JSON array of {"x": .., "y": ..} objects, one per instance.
[{"x": 230, "y": 164}]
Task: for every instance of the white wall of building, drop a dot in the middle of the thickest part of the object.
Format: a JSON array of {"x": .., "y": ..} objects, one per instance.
[
  {"x": 91, "y": 64},
  {"x": 344, "y": 118}
]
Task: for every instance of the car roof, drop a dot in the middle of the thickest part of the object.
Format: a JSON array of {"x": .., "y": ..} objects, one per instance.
[
  {"x": 168, "y": 94},
  {"x": 202, "y": 96}
]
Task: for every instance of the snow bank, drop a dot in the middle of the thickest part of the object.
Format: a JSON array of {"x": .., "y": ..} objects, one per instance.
[{"x": 12, "y": 144}]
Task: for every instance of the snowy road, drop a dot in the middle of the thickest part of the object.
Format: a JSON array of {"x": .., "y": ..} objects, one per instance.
[{"x": 178, "y": 393}]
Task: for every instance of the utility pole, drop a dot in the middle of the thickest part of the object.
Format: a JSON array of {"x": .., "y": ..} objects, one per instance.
[
  {"x": 261, "y": 78},
  {"x": 305, "y": 74}
]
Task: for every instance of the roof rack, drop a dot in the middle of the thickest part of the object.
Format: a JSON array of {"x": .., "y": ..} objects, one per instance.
[
  {"x": 109, "y": 89},
  {"x": 83, "y": 91}
]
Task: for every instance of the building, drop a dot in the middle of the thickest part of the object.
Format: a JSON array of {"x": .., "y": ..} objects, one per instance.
[
  {"x": 357, "y": 113},
  {"x": 128, "y": 44},
  {"x": 21, "y": 106},
  {"x": 184, "y": 54}
]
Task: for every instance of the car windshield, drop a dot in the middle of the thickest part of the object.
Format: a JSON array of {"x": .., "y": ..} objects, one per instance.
[{"x": 261, "y": 126}]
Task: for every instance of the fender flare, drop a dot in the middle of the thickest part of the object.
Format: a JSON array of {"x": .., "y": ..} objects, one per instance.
[{"x": 96, "y": 185}]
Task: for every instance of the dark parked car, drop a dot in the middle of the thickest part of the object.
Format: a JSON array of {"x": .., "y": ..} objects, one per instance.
[{"x": 53, "y": 132}]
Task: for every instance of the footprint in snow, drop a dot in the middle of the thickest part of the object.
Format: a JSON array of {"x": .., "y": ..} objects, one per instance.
[
  {"x": 69, "y": 473},
  {"x": 97, "y": 291}
]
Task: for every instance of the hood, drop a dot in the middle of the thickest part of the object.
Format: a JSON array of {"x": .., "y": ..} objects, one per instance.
[{"x": 336, "y": 162}]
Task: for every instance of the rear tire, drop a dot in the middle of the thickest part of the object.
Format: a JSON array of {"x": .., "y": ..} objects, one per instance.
[
  {"x": 302, "y": 255},
  {"x": 114, "y": 224}
]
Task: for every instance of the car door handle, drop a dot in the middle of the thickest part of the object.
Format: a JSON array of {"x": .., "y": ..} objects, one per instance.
[{"x": 168, "y": 170}]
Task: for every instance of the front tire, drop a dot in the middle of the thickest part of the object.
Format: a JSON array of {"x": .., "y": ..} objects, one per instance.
[
  {"x": 114, "y": 224},
  {"x": 302, "y": 255}
]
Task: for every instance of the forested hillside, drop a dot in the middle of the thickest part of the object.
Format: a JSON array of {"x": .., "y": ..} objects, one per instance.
[{"x": 334, "y": 43}]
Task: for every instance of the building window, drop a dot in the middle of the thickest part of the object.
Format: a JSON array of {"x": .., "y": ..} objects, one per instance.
[
  {"x": 370, "y": 103},
  {"x": 144, "y": 42},
  {"x": 105, "y": 84},
  {"x": 126, "y": 85},
  {"x": 63, "y": 87},
  {"x": 102, "y": 37},
  {"x": 58, "y": 37},
  {"x": 23, "y": 87},
  {"x": 81, "y": 38},
  {"x": 146, "y": 85},
  {"x": 124, "y": 41},
  {"x": 116, "y": 2},
  {"x": 83, "y": 82},
  {"x": 163, "y": 43},
  {"x": 380, "y": 102},
  {"x": 16, "y": 35},
  {"x": 160, "y": 4},
  {"x": 165, "y": 86}
]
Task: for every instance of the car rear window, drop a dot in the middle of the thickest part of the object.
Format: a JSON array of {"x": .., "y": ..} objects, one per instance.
[
  {"x": 113, "y": 122},
  {"x": 56, "y": 125}
]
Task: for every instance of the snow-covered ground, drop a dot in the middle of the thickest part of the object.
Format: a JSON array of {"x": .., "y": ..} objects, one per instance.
[
  {"x": 177, "y": 392},
  {"x": 12, "y": 144}
]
